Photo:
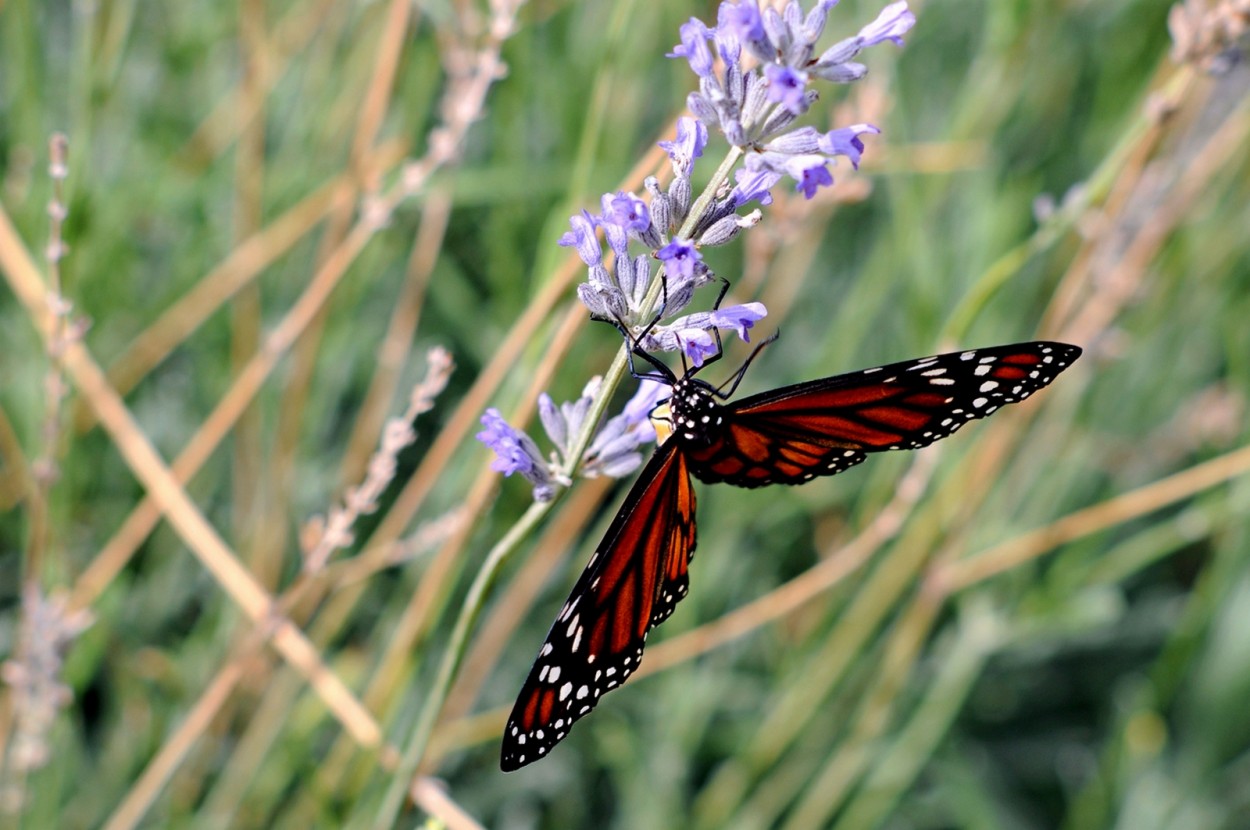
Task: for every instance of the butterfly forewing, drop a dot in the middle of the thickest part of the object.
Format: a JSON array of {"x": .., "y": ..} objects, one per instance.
[
  {"x": 822, "y": 427},
  {"x": 633, "y": 582}
]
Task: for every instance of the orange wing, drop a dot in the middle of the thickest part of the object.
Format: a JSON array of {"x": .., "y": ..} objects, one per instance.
[
  {"x": 822, "y": 427},
  {"x": 632, "y": 583}
]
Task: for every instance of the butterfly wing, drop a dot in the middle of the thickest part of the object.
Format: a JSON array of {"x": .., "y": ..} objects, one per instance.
[
  {"x": 822, "y": 427},
  {"x": 632, "y": 583}
]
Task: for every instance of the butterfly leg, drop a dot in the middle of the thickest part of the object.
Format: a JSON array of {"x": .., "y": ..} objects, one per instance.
[
  {"x": 720, "y": 346},
  {"x": 664, "y": 374}
]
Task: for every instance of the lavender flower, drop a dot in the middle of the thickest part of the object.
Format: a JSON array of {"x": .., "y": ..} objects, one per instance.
[
  {"x": 691, "y": 139},
  {"x": 845, "y": 142},
  {"x": 693, "y": 46},
  {"x": 753, "y": 186},
  {"x": 583, "y": 238},
  {"x": 516, "y": 452},
  {"x": 787, "y": 86},
  {"x": 691, "y": 334},
  {"x": 612, "y": 452},
  {"x": 680, "y": 257}
]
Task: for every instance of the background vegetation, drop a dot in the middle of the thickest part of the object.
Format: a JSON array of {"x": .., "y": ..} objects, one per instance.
[{"x": 274, "y": 210}]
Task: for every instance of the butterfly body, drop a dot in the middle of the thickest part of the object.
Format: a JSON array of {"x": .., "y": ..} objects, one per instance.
[{"x": 789, "y": 435}]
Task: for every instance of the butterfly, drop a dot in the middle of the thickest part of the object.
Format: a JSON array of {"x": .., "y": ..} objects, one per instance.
[{"x": 790, "y": 435}]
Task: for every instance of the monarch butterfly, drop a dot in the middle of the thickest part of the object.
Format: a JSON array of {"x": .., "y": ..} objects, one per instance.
[{"x": 785, "y": 436}]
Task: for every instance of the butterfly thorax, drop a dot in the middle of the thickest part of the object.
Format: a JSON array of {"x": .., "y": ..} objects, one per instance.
[{"x": 692, "y": 413}]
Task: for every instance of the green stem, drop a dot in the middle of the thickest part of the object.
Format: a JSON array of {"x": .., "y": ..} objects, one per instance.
[{"x": 393, "y": 801}]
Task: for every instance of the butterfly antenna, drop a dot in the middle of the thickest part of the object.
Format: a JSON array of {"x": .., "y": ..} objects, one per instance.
[{"x": 737, "y": 376}]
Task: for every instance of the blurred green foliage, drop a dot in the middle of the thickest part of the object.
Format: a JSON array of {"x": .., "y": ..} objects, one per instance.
[{"x": 1102, "y": 684}]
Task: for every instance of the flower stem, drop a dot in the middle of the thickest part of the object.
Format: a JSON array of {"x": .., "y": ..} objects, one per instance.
[{"x": 401, "y": 781}]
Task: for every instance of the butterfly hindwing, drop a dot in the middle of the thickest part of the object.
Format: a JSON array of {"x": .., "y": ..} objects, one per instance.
[
  {"x": 632, "y": 583},
  {"x": 822, "y": 427}
]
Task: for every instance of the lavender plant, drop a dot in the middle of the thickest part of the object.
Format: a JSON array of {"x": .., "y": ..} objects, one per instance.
[{"x": 767, "y": 62}]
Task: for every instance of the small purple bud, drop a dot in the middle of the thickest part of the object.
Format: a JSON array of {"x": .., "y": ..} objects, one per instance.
[
  {"x": 638, "y": 409},
  {"x": 679, "y": 197},
  {"x": 553, "y": 421},
  {"x": 642, "y": 278},
  {"x": 777, "y": 31},
  {"x": 754, "y": 185},
  {"x": 814, "y": 25},
  {"x": 841, "y": 73},
  {"x": 661, "y": 207},
  {"x": 702, "y": 108},
  {"x": 626, "y": 276},
  {"x": 721, "y": 231}
]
